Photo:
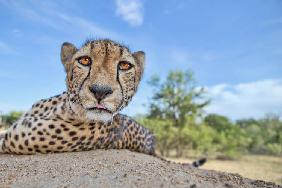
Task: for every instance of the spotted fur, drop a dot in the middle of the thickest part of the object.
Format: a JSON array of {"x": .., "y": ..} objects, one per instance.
[{"x": 70, "y": 121}]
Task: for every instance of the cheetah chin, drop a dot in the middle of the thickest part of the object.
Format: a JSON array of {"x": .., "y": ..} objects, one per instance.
[{"x": 99, "y": 116}]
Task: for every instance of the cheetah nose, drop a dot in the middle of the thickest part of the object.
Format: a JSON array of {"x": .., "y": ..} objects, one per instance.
[{"x": 100, "y": 91}]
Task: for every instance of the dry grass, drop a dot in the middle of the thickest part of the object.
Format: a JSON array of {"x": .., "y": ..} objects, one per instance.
[{"x": 266, "y": 168}]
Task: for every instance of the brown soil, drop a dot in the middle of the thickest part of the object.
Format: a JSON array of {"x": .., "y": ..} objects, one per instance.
[{"x": 110, "y": 168}]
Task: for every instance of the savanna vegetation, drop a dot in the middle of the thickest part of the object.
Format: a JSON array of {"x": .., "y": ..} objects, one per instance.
[{"x": 177, "y": 117}]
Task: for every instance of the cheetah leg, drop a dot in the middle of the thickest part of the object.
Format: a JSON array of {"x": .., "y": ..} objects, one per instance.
[{"x": 135, "y": 137}]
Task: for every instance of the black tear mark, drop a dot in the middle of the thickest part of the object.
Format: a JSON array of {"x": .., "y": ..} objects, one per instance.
[
  {"x": 85, "y": 79},
  {"x": 122, "y": 98}
]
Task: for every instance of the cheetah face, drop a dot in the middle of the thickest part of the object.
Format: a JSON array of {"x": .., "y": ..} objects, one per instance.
[{"x": 102, "y": 77}]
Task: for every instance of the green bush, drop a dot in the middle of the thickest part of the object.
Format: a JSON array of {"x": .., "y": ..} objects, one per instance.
[{"x": 274, "y": 149}]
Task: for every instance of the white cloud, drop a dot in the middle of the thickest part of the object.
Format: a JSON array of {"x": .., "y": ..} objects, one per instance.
[
  {"x": 254, "y": 99},
  {"x": 50, "y": 14},
  {"x": 131, "y": 11}
]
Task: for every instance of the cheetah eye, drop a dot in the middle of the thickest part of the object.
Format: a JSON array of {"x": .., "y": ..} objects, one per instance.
[
  {"x": 86, "y": 61},
  {"x": 124, "y": 65}
]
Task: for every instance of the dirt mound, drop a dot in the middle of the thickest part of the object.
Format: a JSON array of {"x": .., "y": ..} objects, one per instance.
[{"x": 110, "y": 168}]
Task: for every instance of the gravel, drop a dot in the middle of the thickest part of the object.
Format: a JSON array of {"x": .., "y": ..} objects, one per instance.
[{"x": 110, "y": 168}]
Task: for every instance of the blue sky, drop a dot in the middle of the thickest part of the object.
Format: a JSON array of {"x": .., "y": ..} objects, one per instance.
[{"x": 233, "y": 47}]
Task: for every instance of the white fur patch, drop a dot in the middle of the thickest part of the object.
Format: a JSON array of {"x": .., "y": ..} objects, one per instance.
[{"x": 102, "y": 117}]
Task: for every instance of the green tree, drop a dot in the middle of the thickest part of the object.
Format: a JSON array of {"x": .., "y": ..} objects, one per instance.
[
  {"x": 253, "y": 129},
  {"x": 271, "y": 127},
  {"x": 265, "y": 134},
  {"x": 230, "y": 139},
  {"x": 179, "y": 101},
  {"x": 200, "y": 139},
  {"x": 218, "y": 122}
]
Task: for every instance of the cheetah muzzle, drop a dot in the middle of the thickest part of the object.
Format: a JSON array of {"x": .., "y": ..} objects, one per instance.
[{"x": 101, "y": 77}]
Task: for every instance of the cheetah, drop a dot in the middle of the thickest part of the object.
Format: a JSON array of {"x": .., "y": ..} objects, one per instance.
[{"x": 101, "y": 77}]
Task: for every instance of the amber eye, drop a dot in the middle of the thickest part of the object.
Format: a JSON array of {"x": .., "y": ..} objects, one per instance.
[
  {"x": 84, "y": 61},
  {"x": 124, "y": 65}
]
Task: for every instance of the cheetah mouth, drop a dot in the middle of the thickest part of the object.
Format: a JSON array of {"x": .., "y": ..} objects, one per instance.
[{"x": 99, "y": 108}]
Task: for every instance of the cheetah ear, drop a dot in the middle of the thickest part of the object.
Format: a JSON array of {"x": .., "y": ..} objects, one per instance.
[
  {"x": 140, "y": 60},
  {"x": 67, "y": 51}
]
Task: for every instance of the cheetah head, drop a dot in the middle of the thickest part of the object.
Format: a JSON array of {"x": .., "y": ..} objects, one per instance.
[{"x": 102, "y": 77}]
